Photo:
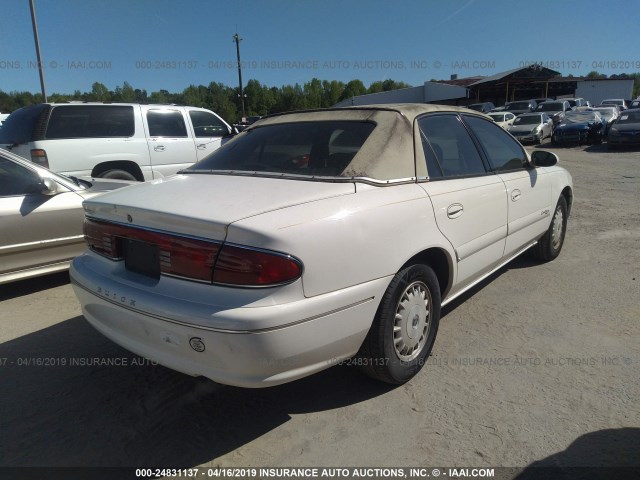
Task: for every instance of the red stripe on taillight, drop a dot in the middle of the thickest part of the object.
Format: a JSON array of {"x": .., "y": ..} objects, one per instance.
[
  {"x": 196, "y": 259},
  {"x": 181, "y": 256},
  {"x": 245, "y": 267}
]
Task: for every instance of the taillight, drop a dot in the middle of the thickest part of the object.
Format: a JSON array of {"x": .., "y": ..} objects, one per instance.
[
  {"x": 179, "y": 256},
  {"x": 246, "y": 267},
  {"x": 195, "y": 259},
  {"x": 39, "y": 156}
]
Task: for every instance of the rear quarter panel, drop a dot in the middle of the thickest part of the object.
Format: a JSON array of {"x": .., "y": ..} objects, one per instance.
[{"x": 348, "y": 240}]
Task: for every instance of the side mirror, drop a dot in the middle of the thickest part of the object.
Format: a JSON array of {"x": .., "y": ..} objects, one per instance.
[
  {"x": 44, "y": 186},
  {"x": 542, "y": 158}
]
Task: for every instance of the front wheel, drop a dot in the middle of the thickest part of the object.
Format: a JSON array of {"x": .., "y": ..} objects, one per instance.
[
  {"x": 404, "y": 328},
  {"x": 549, "y": 246}
]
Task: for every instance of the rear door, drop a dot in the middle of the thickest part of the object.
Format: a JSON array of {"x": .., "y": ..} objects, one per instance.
[
  {"x": 171, "y": 147},
  {"x": 208, "y": 131},
  {"x": 528, "y": 190},
  {"x": 469, "y": 202}
]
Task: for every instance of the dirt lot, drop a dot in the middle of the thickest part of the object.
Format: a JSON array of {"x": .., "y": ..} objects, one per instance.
[{"x": 538, "y": 364}]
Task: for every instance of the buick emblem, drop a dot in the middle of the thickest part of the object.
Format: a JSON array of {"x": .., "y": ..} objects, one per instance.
[
  {"x": 197, "y": 344},
  {"x": 129, "y": 218}
]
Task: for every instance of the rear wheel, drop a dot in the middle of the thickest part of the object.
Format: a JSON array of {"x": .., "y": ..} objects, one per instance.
[
  {"x": 118, "y": 174},
  {"x": 549, "y": 246},
  {"x": 404, "y": 328}
]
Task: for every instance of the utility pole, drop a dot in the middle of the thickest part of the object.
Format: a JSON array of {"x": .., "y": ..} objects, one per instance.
[
  {"x": 237, "y": 39},
  {"x": 39, "y": 57}
]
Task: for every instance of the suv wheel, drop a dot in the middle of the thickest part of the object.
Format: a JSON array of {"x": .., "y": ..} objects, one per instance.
[{"x": 118, "y": 174}]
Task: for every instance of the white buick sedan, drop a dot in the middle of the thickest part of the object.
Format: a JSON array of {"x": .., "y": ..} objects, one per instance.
[{"x": 314, "y": 237}]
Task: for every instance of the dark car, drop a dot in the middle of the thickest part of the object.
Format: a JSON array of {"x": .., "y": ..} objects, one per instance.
[
  {"x": 483, "y": 107},
  {"x": 579, "y": 127},
  {"x": 626, "y": 130},
  {"x": 541, "y": 100},
  {"x": 555, "y": 109},
  {"x": 521, "y": 106}
]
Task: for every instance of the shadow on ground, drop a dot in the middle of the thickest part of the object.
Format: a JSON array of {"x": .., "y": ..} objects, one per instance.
[
  {"x": 132, "y": 413},
  {"x": 33, "y": 285},
  {"x": 602, "y": 455}
]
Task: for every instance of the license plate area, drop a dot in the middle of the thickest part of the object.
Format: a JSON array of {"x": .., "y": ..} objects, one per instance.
[{"x": 142, "y": 258}]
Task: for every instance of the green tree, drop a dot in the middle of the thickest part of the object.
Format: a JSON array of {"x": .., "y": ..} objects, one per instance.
[
  {"x": 99, "y": 93},
  {"x": 354, "y": 88},
  {"x": 595, "y": 74}
]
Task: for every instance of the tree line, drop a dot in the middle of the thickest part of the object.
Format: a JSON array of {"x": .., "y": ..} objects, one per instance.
[
  {"x": 259, "y": 99},
  {"x": 224, "y": 100}
]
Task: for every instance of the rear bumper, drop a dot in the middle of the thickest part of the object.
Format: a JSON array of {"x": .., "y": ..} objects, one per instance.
[{"x": 272, "y": 344}]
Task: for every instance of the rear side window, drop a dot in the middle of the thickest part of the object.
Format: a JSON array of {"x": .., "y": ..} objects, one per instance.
[
  {"x": 22, "y": 125},
  {"x": 166, "y": 123},
  {"x": 454, "y": 153},
  {"x": 90, "y": 121},
  {"x": 305, "y": 148},
  {"x": 206, "y": 124},
  {"x": 503, "y": 151},
  {"x": 16, "y": 179}
]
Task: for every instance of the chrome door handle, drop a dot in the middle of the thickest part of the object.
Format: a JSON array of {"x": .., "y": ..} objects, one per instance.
[
  {"x": 202, "y": 146},
  {"x": 455, "y": 210},
  {"x": 515, "y": 195},
  {"x": 159, "y": 148}
]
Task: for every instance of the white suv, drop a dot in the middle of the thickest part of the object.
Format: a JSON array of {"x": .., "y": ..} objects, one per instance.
[{"x": 113, "y": 140}]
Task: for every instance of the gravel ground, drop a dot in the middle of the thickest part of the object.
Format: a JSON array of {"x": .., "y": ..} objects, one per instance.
[{"x": 538, "y": 365}]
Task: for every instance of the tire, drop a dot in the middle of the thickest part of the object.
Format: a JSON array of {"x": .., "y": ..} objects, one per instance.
[
  {"x": 118, "y": 175},
  {"x": 404, "y": 328},
  {"x": 550, "y": 244}
]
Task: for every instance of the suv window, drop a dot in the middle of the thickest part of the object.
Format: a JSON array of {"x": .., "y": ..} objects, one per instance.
[
  {"x": 503, "y": 151},
  {"x": 166, "y": 123},
  {"x": 90, "y": 121},
  {"x": 449, "y": 150},
  {"x": 206, "y": 124}
]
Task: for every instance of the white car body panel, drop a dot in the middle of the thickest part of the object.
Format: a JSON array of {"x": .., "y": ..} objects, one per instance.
[{"x": 354, "y": 228}]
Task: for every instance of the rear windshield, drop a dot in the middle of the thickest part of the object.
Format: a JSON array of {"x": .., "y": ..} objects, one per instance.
[
  {"x": 528, "y": 120},
  {"x": 550, "y": 107},
  {"x": 19, "y": 127},
  {"x": 629, "y": 117},
  {"x": 306, "y": 148},
  {"x": 90, "y": 121},
  {"x": 517, "y": 106}
]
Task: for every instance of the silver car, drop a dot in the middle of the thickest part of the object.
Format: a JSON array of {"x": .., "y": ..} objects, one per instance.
[
  {"x": 41, "y": 217},
  {"x": 532, "y": 127}
]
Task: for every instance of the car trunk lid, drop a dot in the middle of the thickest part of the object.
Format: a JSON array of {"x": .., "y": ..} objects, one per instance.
[{"x": 204, "y": 205}]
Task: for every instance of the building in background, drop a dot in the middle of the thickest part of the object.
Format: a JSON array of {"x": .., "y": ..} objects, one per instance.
[{"x": 525, "y": 83}]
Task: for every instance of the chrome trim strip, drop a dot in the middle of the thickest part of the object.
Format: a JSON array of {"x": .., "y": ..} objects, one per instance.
[
  {"x": 489, "y": 273},
  {"x": 305, "y": 178},
  {"x": 41, "y": 244},
  {"x": 222, "y": 330}
]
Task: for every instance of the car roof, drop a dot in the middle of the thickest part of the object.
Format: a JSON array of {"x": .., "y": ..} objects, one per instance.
[
  {"x": 408, "y": 110},
  {"x": 389, "y": 151}
]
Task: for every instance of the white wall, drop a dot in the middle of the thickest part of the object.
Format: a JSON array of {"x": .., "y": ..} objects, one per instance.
[{"x": 597, "y": 90}]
